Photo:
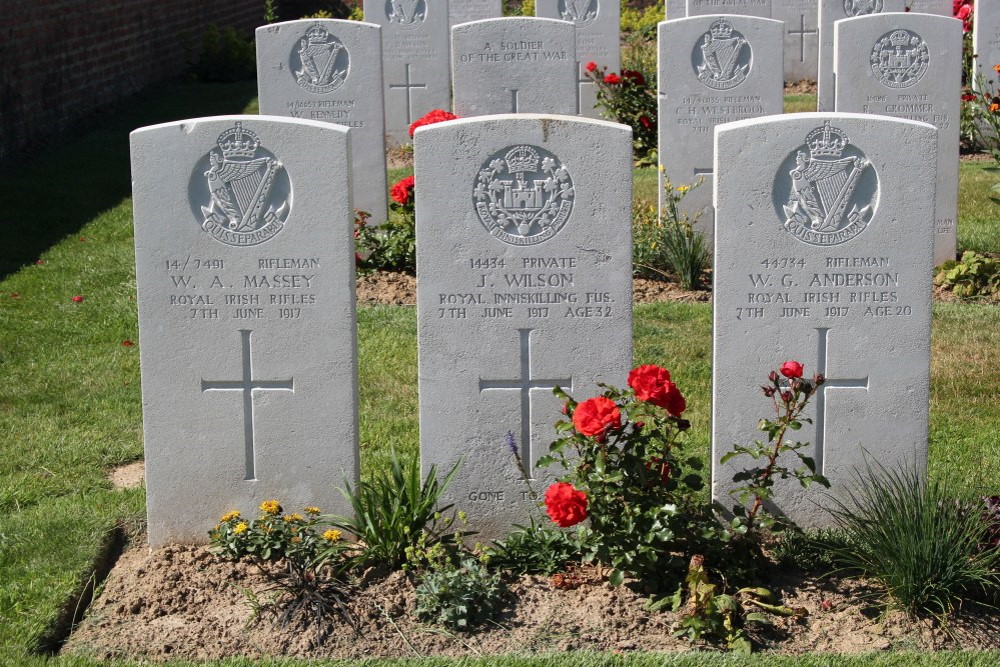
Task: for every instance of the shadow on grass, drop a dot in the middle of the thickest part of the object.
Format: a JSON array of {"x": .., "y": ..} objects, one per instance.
[{"x": 52, "y": 193}]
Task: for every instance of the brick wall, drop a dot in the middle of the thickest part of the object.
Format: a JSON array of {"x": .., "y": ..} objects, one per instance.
[{"x": 61, "y": 59}]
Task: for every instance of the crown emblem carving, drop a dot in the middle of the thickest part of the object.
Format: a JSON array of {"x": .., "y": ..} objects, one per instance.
[
  {"x": 827, "y": 141},
  {"x": 238, "y": 142},
  {"x": 521, "y": 159},
  {"x": 317, "y": 35},
  {"x": 721, "y": 29},
  {"x": 899, "y": 38}
]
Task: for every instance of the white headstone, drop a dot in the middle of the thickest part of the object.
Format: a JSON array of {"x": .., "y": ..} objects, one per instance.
[
  {"x": 675, "y": 9},
  {"x": 331, "y": 71},
  {"x": 525, "y": 259},
  {"x": 712, "y": 70},
  {"x": 986, "y": 39},
  {"x": 939, "y": 7},
  {"x": 823, "y": 256},
  {"x": 835, "y": 10},
  {"x": 245, "y": 273},
  {"x": 462, "y": 11},
  {"x": 416, "y": 72},
  {"x": 761, "y": 8},
  {"x": 514, "y": 65},
  {"x": 801, "y": 37},
  {"x": 598, "y": 39},
  {"x": 909, "y": 65}
]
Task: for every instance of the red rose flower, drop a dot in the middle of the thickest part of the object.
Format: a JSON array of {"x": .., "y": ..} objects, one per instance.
[
  {"x": 791, "y": 369},
  {"x": 591, "y": 66},
  {"x": 968, "y": 97},
  {"x": 612, "y": 79},
  {"x": 652, "y": 384},
  {"x": 431, "y": 117},
  {"x": 39, "y": 261},
  {"x": 77, "y": 298},
  {"x": 645, "y": 122},
  {"x": 402, "y": 191},
  {"x": 126, "y": 343},
  {"x": 595, "y": 415},
  {"x": 634, "y": 76},
  {"x": 565, "y": 505}
]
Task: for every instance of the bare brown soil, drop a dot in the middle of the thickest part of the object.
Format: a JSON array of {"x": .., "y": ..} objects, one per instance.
[
  {"x": 804, "y": 87},
  {"x": 399, "y": 289},
  {"x": 184, "y": 602},
  {"x": 128, "y": 476}
]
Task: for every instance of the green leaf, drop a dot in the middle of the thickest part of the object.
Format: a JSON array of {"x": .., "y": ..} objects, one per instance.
[
  {"x": 617, "y": 578},
  {"x": 544, "y": 461},
  {"x": 728, "y": 456}
]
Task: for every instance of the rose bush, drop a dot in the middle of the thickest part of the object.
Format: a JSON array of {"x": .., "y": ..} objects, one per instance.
[{"x": 629, "y": 99}]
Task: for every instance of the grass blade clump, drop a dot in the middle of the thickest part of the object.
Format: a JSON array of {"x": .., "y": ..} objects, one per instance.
[
  {"x": 397, "y": 510},
  {"x": 919, "y": 545}
]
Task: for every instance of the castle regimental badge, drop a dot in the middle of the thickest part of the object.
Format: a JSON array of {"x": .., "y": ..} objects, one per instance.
[
  {"x": 406, "y": 14},
  {"x": 862, "y": 7},
  {"x": 249, "y": 191},
  {"x": 523, "y": 195},
  {"x": 722, "y": 58},
  {"x": 580, "y": 12},
  {"x": 832, "y": 192},
  {"x": 900, "y": 59},
  {"x": 320, "y": 61}
]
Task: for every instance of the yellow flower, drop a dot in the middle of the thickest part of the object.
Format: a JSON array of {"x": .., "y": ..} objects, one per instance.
[
  {"x": 270, "y": 507},
  {"x": 229, "y": 516},
  {"x": 241, "y": 527},
  {"x": 683, "y": 188},
  {"x": 332, "y": 535},
  {"x": 662, "y": 168},
  {"x": 292, "y": 517},
  {"x": 312, "y": 510}
]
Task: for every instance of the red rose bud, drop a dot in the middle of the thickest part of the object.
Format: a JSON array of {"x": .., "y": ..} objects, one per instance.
[
  {"x": 39, "y": 261},
  {"x": 796, "y": 385},
  {"x": 786, "y": 396},
  {"x": 791, "y": 369},
  {"x": 591, "y": 66},
  {"x": 601, "y": 438},
  {"x": 773, "y": 377},
  {"x": 77, "y": 298},
  {"x": 819, "y": 379},
  {"x": 639, "y": 425},
  {"x": 768, "y": 391},
  {"x": 127, "y": 343},
  {"x": 595, "y": 415}
]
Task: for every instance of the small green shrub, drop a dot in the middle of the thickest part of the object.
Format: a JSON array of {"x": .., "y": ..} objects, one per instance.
[
  {"x": 459, "y": 598},
  {"x": 641, "y": 20},
  {"x": 536, "y": 549},
  {"x": 396, "y": 512},
  {"x": 225, "y": 56},
  {"x": 668, "y": 246},
  {"x": 975, "y": 276},
  {"x": 922, "y": 548}
]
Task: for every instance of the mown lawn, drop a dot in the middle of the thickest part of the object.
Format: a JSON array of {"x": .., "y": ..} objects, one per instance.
[{"x": 70, "y": 406}]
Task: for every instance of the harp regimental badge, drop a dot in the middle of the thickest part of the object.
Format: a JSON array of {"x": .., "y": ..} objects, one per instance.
[
  {"x": 523, "y": 195},
  {"x": 862, "y": 7},
  {"x": 245, "y": 208},
  {"x": 722, "y": 61},
  {"x": 833, "y": 190},
  {"x": 900, "y": 58},
  {"x": 580, "y": 12},
  {"x": 323, "y": 61},
  {"x": 407, "y": 14}
]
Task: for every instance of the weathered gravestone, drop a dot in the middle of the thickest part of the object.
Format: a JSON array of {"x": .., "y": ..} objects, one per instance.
[
  {"x": 416, "y": 76},
  {"x": 909, "y": 66},
  {"x": 823, "y": 255},
  {"x": 801, "y": 37},
  {"x": 939, "y": 7},
  {"x": 514, "y": 65},
  {"x": 760, "y": 8},
  {"x": 598, "y": 39},
  {"x": 829, "y": 12},
  {"x": 463, "y": 11},
  {"x": 330, "y": 70},
  {"x": 712, "y": 70},
  {"x": 525, "y": 260},
  {"x": 986, "y": 40},
  {"x": 245, "y": 272},
  {"x": 675, "y": 9}
]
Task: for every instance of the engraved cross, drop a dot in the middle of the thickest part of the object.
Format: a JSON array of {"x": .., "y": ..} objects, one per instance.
[
  {"x": 524, "y": 384},
  {"x": 513, "y": 100},
  {"x": 248, "y": 385},
  {"x": 802, "y": 32},
  {"x": 829, "y": 383},
  {"x": 407, "y": 88}
]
